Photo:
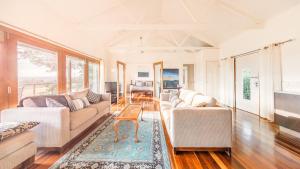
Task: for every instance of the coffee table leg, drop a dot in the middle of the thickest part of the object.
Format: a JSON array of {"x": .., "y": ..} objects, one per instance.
[
  {"x": 116, "y": 129},
  {"x": 142, "y": 113},
  {"x": 136, "y": 131}
]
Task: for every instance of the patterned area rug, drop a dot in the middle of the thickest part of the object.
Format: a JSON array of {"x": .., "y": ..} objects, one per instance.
[{"x": 98, "y": 149}]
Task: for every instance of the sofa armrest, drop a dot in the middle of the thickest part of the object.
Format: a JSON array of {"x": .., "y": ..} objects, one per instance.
[
  {"x": 54, "y": 127},
  {"x": 106, "y": 97},
  {"x": 164, "y": 96},
  {"x": 201, "y": 127}
]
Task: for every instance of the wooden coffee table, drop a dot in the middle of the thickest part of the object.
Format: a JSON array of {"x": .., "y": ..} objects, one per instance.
[{"x": 130, "y": 113}]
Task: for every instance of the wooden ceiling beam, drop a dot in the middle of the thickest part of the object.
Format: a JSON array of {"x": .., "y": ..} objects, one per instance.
[{"x": 238, "y": 11}]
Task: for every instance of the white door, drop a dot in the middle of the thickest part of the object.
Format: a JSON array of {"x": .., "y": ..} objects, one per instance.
[
  {"x": 247, "y": 83},
  {"x": 212, "y": 78}
]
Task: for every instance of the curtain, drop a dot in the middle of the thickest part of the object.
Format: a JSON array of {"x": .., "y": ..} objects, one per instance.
[
  {"x": 270, "y": 79},
  {"x": 226, "y": 80}
]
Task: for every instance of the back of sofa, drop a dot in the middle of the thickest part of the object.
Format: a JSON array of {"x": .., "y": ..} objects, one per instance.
[{"x": 40, "y": 101}]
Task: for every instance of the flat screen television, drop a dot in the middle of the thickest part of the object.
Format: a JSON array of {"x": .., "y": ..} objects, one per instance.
[
  {"x": 170, "y": 78},
  {"x": 143, "y": 74}
]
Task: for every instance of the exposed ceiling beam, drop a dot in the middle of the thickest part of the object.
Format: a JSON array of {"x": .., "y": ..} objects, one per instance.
[
  {"x": 184, "y": 39},
  {"x": 159, "y": 48},
  {"x": 188, "y": 10},
  {"x": 241, "y": 12},
  {"x": 203, "y": 37},
  {"x": 145, "y": 27},
  {"x": 171, "y": 35}
]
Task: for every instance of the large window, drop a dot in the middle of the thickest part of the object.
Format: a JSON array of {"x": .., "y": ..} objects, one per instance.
[
  {"x": 37, "y": 71},
  {"x": 75, "y": 73},
  {"x": 94, "y": 78}
]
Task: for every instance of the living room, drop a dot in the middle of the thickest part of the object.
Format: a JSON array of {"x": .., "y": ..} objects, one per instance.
[{"x": 149, "y": 84}]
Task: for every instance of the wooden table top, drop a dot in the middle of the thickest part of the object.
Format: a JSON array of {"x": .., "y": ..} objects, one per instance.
[{"x": 130, "y": 112}]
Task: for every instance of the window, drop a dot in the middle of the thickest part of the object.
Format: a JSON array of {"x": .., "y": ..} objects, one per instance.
[
  {"x": 246, "y": 85},
  {"x": 94, "y": 78},
  {"x": 75, "y": 73},
  {"x": 37, "y": 71}
]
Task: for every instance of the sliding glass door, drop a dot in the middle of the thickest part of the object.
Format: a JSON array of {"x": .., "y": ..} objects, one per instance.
[
  {"x": 94, "y": 76},
  {"x": 75, "y": 73}
]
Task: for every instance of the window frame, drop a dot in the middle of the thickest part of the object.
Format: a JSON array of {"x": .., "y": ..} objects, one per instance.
[
  {"x": 89, "y": 61},
  {"x": 41, "y": 49},
  {"x": 12, "y": 37}
]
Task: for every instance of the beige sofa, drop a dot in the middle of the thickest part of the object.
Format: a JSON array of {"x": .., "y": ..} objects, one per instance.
[
  {"x": 196, "y": 128},
  {"x": 17, "y": 151},
  {"x": 58, "y": 125}
]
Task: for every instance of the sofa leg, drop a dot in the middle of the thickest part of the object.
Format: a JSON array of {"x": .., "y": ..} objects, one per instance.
[
  {"x": 228, "y": 152},
  {"x": 175, "y": 151}
]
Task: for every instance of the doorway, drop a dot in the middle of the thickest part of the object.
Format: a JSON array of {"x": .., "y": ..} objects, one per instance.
[
  {"x": 247, "y": 83},
  {"x": 212, "y": 78},
  {"x": 121, "y": 82},
  {"x": 188, "y": 76},
  {"x": 157, "y": 87}
]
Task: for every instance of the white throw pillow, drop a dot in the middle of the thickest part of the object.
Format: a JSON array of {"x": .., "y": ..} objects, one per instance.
[
  {"x": 53, "y": 103},
  {"x": 175, "y": 102},
  {"x": 203, "y": 101}
]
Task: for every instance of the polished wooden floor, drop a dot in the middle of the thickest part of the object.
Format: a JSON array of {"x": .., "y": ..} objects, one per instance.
[{"x": 256, "y": 145}]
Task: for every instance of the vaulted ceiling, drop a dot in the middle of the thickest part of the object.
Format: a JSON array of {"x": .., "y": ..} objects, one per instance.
[{"x": 94, "y": 25}]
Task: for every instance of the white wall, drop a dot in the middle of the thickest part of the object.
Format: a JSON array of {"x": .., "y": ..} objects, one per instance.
[
  {"x": 144, "y": 62},
  {"x": 280, "y": 28},
  {"x": 200, "y": 75}
]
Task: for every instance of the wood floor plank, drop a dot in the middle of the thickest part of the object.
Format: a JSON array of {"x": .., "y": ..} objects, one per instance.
[{"x": 254, "y": 146}]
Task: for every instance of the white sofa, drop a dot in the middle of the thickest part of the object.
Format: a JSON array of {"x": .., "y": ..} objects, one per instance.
[
  {"x": 58, "y": 125},
  {"x": 192, "y": 128},
  {"x": 17, "y": 151}
]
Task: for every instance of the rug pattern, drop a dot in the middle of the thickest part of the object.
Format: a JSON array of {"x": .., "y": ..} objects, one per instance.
[{"x": 81, "y": 155}]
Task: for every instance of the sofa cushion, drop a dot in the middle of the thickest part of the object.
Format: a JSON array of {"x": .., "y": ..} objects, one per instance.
[
  {"x": 203, "y": 101},
  {"x": 11, "y": 129},
  {"x": 81, "y": 116},
  {"x": 40, "y": 101},
  {"x": 13, "y": 144},
  {"x": 101, "y": 106},
  {"x": 80, "y": 94}
]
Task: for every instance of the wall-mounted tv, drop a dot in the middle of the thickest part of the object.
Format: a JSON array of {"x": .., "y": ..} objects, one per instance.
[
  {"x": 143, "y": 74},
  {"x": 170, "y": 78}
]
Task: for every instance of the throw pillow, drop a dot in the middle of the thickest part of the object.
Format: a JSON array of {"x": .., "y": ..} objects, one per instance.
[
  {"x": 203, "y": 101},
  {"x": 79, "y": 104},
  {"x": 53, "y": 103},
  {"x": 182, "y": 104},
  {"x": 93, "y": 98},
  {"x": 80, "y": 94},
  {"x": 70, "y": 103},
  {"x": 139, "y": 83},
  {"x": 175, "y": 102},
  {"x": 85, "y": 101},
  {"x": 9, "y": 129},
  {"x": 149, "y": 83},
  {"x": 29, "y": 103}
]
